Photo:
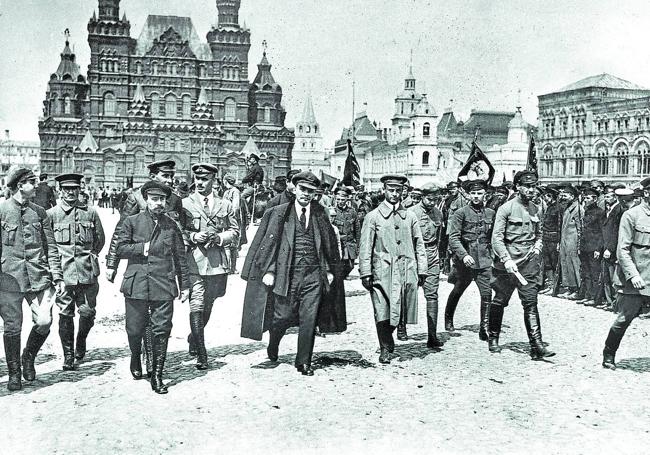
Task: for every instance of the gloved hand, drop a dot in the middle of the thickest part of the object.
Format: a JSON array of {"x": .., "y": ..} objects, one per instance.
[
  {"x": 421, "y": 279},
  {"x": 366, "y": 281}
]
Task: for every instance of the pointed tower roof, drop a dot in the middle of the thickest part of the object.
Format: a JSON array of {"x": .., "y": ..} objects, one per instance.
[
  {"x": 68, "y": 67},
  {"x": 138, "y": 96},
  {"x": 424, "y": 109},
  {"x": 138, "y": 107},
  {"x": 250, "y": 147},
  {"x": 202, "y": 109},
  {"x": 308, "y": 115},
  {"x": 517, "y": 121},
  {"x": 203, "y": 97},
  {"x": 88, "y": 142},
  {"x": 264, "y": 79}
]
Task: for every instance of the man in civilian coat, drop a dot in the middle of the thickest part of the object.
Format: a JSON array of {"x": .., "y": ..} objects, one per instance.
[
  {"x": 570, "y": 242},
  {"x": 611, "y": 222},
  {"x": 292, "y": 259},
  {"x": 285, "y": 196},
  {"x": 79, "y": 237},
  {"x": 212, "y": 227},
  {"x": 44, "y": 194},
  {"x": 591, "y": 247},
  {"x": 154, "y": 246}
]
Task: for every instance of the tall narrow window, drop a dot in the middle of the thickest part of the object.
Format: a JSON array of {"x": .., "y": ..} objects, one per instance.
[
  {"x": 426, "y": 130},
  {"x": 109, "y": 104},
  {"x": 425, "y": 159},
  {"x": 187, "y": 107},
  {"x": 230, "y": 110},
  {"x": 155, "y": 105},
  {"x": 67, "y": 105},
  {"x": 171, "y": 110}
]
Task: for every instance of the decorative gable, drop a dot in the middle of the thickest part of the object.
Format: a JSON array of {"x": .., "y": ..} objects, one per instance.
[{"x": 171, "y": 44}]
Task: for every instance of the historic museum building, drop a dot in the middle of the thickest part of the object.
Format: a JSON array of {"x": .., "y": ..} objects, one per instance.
[
  {"x": 596, "y": 128},
  {"x": 164, "y": 95}
]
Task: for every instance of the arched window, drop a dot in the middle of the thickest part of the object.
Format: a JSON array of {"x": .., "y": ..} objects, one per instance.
[
  {"x": 602, "y": 160},
  {"x": 187, "y": 107},
  {"x": 230, "y": 110},
  {"x": 67, "y": 105},
  {"x": 155, "y": 105},
  {"x": 308, "y": 129},
  {"x": 622, "y": 159},
  {"x": 300, "y": 129},
  {"x": 54, "y": 105},
  {"x": 171, "y": 110},
  {"x": 426, "y": 130},
  {"x": 138, "y": 68},
  {"x": 267, "y": 116},
  {"x": 110, "y": 106},
  {"x": 315, "y": 129},
  {"x": 187, "y": 69},
  {"x": 425, "y": 159},
  {"x": 154, "y": 68}
]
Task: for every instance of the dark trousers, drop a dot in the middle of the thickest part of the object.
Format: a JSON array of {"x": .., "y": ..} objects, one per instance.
[
  {"x": 504, "y": 284},
  {"x": 348, "y": 266},
  {"x": 590, "y": 269},
  {"x": 608, "y": 269},
  {"x": 430, "y": 288},
  {"x": 300, "y": 307},
  {"x": 140, "y": 312},
  {"x": 629, "y": 307},
  {"x": 464, "y": 277},
  {"x": 81, "y": 296},
  {"x": 11, "y": 310}
]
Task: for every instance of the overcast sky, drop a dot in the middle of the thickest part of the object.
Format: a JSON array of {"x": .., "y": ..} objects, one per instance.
[{"x": 477, "y": 52}]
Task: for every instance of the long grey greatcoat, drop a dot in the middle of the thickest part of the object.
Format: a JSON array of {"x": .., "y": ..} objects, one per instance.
[
  {"x": 271, "y": 250},
  {"x": 569, "y": 242},
  {"x": 392, "y": 253}
]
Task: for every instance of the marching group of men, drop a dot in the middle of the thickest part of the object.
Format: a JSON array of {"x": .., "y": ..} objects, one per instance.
[{"x": 511, "y": 238}]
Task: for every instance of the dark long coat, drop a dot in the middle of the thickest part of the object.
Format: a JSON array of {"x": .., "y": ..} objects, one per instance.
[
  {"x": 152, "y": 277},
  {"x": 272, "y": 249}
]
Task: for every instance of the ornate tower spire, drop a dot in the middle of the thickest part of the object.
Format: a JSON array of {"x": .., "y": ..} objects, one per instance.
[
  {"x": 228, "y": 13},
  {"x": 109, "y": 10}
]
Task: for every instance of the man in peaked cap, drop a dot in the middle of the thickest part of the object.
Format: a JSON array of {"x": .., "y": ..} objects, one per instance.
[
  {"x": 162, "y": 172},
  {"x": 517, "y": 245},
  {"x": 346, "y": 221},
  {"x": 233, "y": 195},
  {"x": 632, "y": 279},
  {"x": 453, "y": 202},
  {"x": 44, "y": 195},
  {"x": 254, "y": 178},
  {"x": 551, "y": 226},
  {"x": 79, "y": 238},
  {"x": 30, "y": 266},
  {"x": 591, "y": 247},
  {"x": 288, "y": 194},
  {"x": 611, "y": 222},
  {"x": 470, "y": 232},
  {"x": 213, "y": 229},
  {"x": 391, "y": 237},
  {"x": 569, "y": 253},
  {"x": 154, "y": 246},
  {"x": 430, "y": 219},
  {"x": 290, "y": 266}
]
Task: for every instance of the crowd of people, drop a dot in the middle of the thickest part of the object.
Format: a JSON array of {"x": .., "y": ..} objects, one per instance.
[{"x": 589, "y": 243}]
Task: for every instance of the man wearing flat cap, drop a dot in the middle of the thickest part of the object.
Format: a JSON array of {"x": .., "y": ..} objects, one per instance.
[
  {"x": 161, "y": 172},
  {"x": 430, "y": 219},
  {"x": 517, "y": 244},
  {"x": 453, "y": 202},
  {"x": 570, "y": 242},
  {"x": 79, "y": 238},
  {"x": 29, "y": 267},
  {"x": 154, "y": 246},
  {"x": 591, "y": 248},
  {"x": 611, "y": 222},
  {"x": 470, "y": 232},
  {"x": 551, "y": 226},
  {"x": 212, "y": 228},
  {"x": 632, "y": 278},
  {"x": 346, "y": 221},
  {"x": 290, "y": 265},
  {"x": 233, "y": 195},
  {"x": 392, "y": 263},
  {"x": 287, "y": 195}
]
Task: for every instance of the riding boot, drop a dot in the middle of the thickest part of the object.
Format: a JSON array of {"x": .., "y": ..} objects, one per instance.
[
  {"x": 495, "y": 319},
  {"x": 196, "y": 324},
  {"x": 432, "y": 337},
  {"x": 386, "y": 342},
  {"x": 609, "y": 361},
  {"x": 147, "y": 340},
  {"x": 272, "y": 351},
  {"x": 85, "y": 324},
  {"x": 450, "y": 309},
  {"x": 66, "y": 333},
  {"x": 531, "y": 320},
  {"x": 12, "y": 356},
  {"x": 485, "y": 320},
  {"x": 159, "y": 356},
  {"x": 401, "y": 326},
  {"x": 34, "y": 343}
]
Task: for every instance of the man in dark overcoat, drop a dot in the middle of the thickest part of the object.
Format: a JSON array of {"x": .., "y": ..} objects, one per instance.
[
  {"x": 154, "y": 246},
  {"x": 292, "y": 259}
]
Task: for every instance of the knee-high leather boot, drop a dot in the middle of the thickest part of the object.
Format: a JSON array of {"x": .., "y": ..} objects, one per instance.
[
  {"x": 147, "y": 340},
  {"x": 531, "y": 320},
  {"x": 66, "y": 333},
  {"x": 483, "y": 334},
  {"x": 159, "y": 357},
  {"x": 450, "y": 309},
  {"x": 12, "y": 356},
  {"x": 196, "y": 324},
  {"x": 85, "y": 324},
  {"x": 34, "y": 343},
  {"x": 494, "y": 327}
]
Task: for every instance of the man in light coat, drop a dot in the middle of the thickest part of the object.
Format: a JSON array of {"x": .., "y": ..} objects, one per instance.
[
  {"x": 392, "y": 263},
  {"x": 570, "y": 242},
  {"x": 212, "y": 227}
]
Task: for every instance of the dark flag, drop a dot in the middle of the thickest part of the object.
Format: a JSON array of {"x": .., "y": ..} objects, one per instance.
[
  {"x": 477, "y": 166},
  {"x": 326, "y": 178},
  {"x": 531, "y": 160},
  {"x": 351, "y": 172}
]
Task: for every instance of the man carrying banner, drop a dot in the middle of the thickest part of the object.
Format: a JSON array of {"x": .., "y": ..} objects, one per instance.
[{"x": 517, "y": 244}]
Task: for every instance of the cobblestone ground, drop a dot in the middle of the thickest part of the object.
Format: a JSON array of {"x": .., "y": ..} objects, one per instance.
[{"x": 459, "y": 400}]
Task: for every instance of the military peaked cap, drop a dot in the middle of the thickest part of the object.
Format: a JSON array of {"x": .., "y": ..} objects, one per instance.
[
  {"x": 69, "y": 179},
  {"x": 204, "y": 169},
  {"x": 155, "y": 188},
  {"x": 18, "y": 175},
  {"x": 162, "y": 166}
]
